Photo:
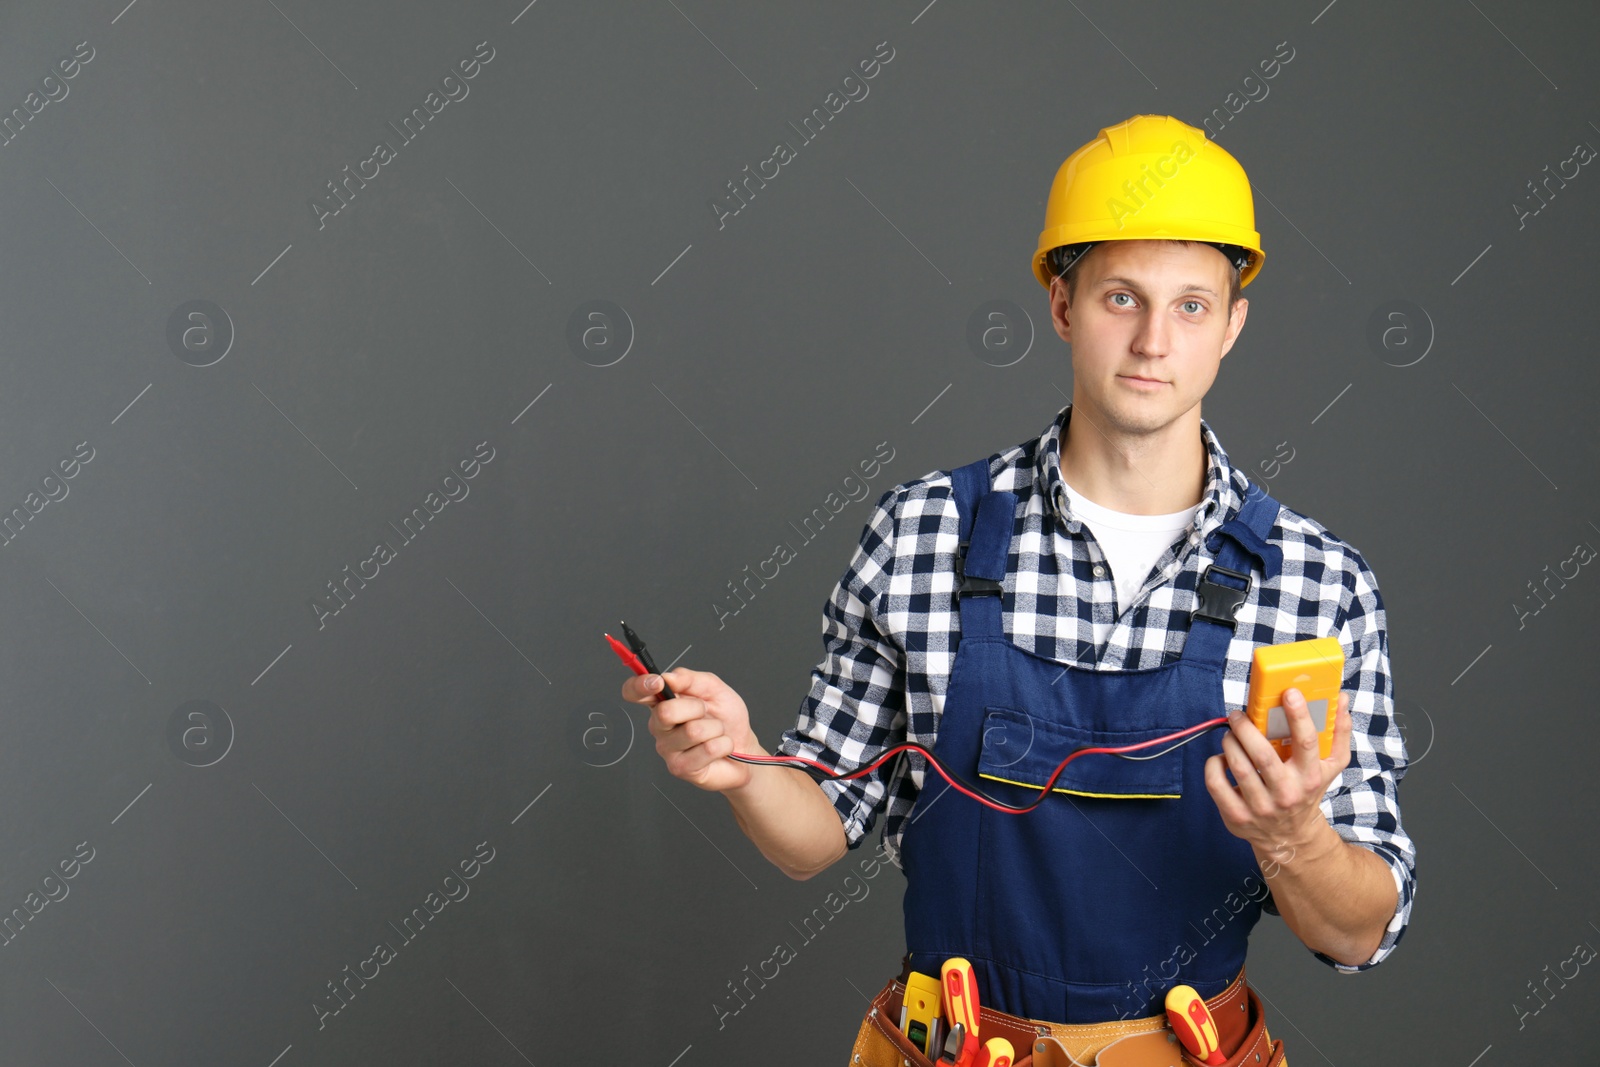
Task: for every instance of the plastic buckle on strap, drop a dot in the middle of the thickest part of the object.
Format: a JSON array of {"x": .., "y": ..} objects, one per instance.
[
  {"x": 973, "y": 586},
  {"x": 1218, "y": 602}
]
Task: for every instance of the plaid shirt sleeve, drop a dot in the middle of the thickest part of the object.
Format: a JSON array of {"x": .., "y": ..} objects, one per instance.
[
  {"x": 856, "y": 707},
  {"x": 1363, "y": 804}
]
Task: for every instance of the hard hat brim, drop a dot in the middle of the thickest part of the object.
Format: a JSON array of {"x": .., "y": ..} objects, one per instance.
[{"x": 1066, "y": 235}]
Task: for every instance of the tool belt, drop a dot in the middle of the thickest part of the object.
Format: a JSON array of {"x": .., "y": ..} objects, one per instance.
[{"x": 1147, "y": 1042}]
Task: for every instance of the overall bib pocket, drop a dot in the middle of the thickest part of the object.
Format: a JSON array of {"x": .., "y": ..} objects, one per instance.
[{"x": 1022, "y": 749}]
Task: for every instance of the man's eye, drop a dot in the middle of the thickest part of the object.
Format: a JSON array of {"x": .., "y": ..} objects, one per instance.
[
  {"x": 1198, "y": 307},
  {"x": 1115, "y": 295}
]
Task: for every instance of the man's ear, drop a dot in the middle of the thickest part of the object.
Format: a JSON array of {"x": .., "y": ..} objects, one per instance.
[
  {"x": 1235, "y": 324},
  {"x": 1059, "y": 314}
]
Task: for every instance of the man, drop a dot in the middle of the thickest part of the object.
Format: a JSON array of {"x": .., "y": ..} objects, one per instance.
[{"x": 1079, "y": 589}]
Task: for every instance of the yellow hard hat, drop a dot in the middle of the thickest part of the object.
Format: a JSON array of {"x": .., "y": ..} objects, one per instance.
[{"x": 1151, "y": 177}]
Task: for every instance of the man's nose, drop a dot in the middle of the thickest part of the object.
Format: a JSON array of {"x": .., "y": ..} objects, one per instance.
[{"x": 1154, "y": 335}]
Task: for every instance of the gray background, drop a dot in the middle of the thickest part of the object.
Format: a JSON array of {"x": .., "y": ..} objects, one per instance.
[{"x": 357, "y": 762}]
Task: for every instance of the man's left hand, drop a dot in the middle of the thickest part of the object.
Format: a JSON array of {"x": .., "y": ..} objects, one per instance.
[{"x": 1276, "y": 804}]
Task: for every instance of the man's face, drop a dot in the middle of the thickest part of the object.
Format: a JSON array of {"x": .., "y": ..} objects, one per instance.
[{"x": 1146, "y": 309}]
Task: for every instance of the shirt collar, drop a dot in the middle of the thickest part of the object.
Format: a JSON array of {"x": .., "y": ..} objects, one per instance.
[{"x": 1225, "y": 492}]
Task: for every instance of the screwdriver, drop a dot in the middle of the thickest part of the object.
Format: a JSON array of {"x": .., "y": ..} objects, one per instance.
[
  {"x": 1191, "y": 1020},
  {"x": 996, "y": 1052}
]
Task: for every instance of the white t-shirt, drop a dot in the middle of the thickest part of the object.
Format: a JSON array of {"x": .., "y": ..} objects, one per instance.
[{"x": 1132, "y": 543}]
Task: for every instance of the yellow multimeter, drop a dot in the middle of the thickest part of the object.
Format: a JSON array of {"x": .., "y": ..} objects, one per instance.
[
  {"x": 1316, "y": 668},
  {"x": 919, "y": 1013}
]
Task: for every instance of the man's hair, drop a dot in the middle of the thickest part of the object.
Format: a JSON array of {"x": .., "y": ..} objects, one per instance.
[{"x": 1055, "y": 256}]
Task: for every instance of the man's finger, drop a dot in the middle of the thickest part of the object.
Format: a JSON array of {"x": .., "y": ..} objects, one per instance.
[
  {"x": 677, "y": 736},
  {"x": 1262, "y": 754},
  {"x": 664, "y": 717},
  {"x": 638, "y": 690},
  {"x": 1252, "y": 789},
  {"x": 1304, "y": 749},
  {"x": 687, "y": 735},
  {"x": 679, "y": 710},
  {"x": 699, "y": 757},
  {"x": 1229, "y": 805},
  {"x": 683, "y": 680}
]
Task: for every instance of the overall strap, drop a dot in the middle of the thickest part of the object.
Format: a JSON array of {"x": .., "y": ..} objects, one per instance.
[
  {"x": 1225, "y": 584},
  {"x": 987, "y": 517}
]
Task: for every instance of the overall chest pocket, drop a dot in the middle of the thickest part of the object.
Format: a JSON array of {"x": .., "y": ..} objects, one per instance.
[{"x": 1023, "y": 749}]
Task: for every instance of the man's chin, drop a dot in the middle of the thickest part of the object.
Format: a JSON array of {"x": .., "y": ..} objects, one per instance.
[{"x": 1132, "y": 412}]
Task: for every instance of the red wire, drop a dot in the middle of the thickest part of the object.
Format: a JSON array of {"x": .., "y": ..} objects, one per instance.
[{"x": 1044, "y": 791}]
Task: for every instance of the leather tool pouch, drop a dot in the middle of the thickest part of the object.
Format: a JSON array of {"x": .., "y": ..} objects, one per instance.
[
  {"x": 879, "y": 1042},
  {"x": 1256, "y": 1046}
]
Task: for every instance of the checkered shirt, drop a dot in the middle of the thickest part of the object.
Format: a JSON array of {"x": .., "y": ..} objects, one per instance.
[{"x": 869, "y": 692}]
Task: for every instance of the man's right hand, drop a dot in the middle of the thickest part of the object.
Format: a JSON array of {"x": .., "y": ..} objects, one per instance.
[{"x": 695, "y": 731}]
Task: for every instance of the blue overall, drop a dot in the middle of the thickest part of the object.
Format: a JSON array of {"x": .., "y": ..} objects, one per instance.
[{"x": 1090, "y": 907}]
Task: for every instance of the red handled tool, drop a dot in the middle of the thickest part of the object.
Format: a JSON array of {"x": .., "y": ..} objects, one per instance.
[
  {"x": 996, "y": 1052},
  {"x": 1191, "y": 1020},
  {"x": 961, "y": 1009}
]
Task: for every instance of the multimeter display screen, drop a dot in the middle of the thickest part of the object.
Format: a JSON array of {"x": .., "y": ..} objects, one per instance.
[{"x": 1278, "y": 721}]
